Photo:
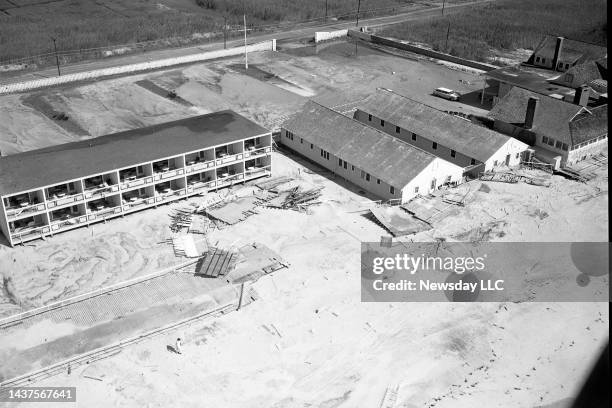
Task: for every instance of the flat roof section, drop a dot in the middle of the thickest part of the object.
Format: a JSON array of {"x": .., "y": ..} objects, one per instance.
[
  {"x": 454, "y": 133},
  {"x": 56, "y": 164},
  {"x": 383, "y": 156}
]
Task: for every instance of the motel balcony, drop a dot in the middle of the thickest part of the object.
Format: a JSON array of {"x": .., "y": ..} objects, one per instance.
[
  {"x": 228, "y": 154},
  {"x": 103, "y": 208},
  {"x": 63, "y": 194},
  {"x": 67, "y": 218},
  {"x": 253, "y": 151},
  {"x": 199, "y": 182},
  {"x": 135, "y": 176},
  {"x": 135, "y": 199},
  {"x": 229, "y": 175},
  {"x": 166, "y": 169},
  {"x": 195, "y": 163},
  {"x": 169, "y": 190},
  {"x": 23, "y": 205},
  {"x": 100, "y": 186},
  {"x": 27, "y": 228},
  {"x": 256, "y": 171}
]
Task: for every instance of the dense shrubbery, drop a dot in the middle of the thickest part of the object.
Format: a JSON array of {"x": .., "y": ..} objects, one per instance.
[{"x": 507, "y": 25}]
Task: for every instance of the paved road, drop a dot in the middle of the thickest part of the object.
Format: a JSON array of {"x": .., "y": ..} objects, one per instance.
[{"x": 297, "y": 33}]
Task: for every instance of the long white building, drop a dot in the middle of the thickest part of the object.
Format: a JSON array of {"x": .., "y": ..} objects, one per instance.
[
  {"x": 55, "y": 189},
  {"x": 474, "y": 148},
  {"x": 368, "y": 158}
]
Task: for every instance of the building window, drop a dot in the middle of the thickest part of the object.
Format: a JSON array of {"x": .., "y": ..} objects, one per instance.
[
  {"x": 340, "y": 162},
  {"x": 369, "y": 118},
  {"x": 545, "y": 139},
  {"x": 311, "y": 146},
  {"x": 392, "y": 190},
  {"x": 367, "y": 176},
  {"x": 494, "y": 163},
  {"x": 453, "y": 153},
  {"x": 301, "y": 140},
  {"x": 416, "y": 190},
  {"x": 551, "y": 141},
  {"x": 543, "y": 60},
  {"x": 352, "y": 168},
  {"x": 517, "y": 155},
  {"x": 377, "y": 181},
  {"x": 345, "y": 165},
  {"x": 321, "y": 154},
  {"x": 397, "y": 129},
  {"x": 414, "y": 136},
  {"x": 434, "y": 145},
  {"x": 563, "y": 146},
  {"x": 558, "y": 144},
  {"x": 472, "y": 162},
  {"x": 537, "y": 59},
  {"x": 382, "y": 123}
]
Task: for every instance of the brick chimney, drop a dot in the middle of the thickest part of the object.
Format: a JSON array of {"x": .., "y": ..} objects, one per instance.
[
  {"x": 581, "y": 97},
  {"x": 532, "y": 107},
  {"x": 558, "y": 47}
]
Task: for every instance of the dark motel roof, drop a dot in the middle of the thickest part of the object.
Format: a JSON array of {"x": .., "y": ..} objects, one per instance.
[
  {"x": 395, "y": 162},
  {"x": 53, "y": 165},
  {"x": 447, "y": 130},
  {"x": 571, "y": 50},
  {"x": 570, "y": 123}
]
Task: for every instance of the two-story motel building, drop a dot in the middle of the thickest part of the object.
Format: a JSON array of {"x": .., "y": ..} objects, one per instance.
[{"x": 59, "y": 188}]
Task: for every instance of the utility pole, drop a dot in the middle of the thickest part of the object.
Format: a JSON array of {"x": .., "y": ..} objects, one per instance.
[
  {"x": 358, "y": 8},
  {"x": 246, "y": 57},
  {"x": 447, "y": 31},
  {"x": 326, "y": 11},
  {"x": 224, "y": 32},
  {"x": 56, "y": 57}
]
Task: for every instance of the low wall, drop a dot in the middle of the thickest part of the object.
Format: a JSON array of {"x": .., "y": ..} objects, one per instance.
[
  {"x": 329, "y": 35},
  {"x": 133, "y": 68},
  {"x": 389, "y": 42}
]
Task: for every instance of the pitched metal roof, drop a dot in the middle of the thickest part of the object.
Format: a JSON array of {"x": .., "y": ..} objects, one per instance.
[
  {"x": 383, "y": 156},
  {"x": 454, "y": 133},
  {"x": 555, "y": 118},
  {"x": 56, "y": 164}
]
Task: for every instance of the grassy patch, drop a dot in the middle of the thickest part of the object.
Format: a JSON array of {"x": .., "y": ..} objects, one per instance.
[
  {"x": 507, "y": 25},
  {"x": 27, "y": 25}
]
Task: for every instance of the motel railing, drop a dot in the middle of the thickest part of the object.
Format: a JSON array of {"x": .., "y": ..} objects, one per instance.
[
  {"x": 199, "y": 165},
  {"x": 259, "y": 150},
  {"x": 103, "y": 213},
  {"x": 18, "y": 212},
  {"x": 19, "y": 234},
  {"x": 136, "y": 182},
  {"x": 69, "y": 199},
  {"x": 59, "y": 225},
  {"x": 100, "y": 192},
  {"x": 168, "y": 174},
  {"x": 229, "y": 159}
]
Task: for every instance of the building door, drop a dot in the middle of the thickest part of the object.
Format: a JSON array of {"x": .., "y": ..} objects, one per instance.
[
  {"x": 507, "y": 160},
  {"x": 433, "y": 184}
]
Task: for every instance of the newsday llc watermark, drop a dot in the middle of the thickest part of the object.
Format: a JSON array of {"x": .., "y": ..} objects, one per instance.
[{"x": 469, "y": 272}]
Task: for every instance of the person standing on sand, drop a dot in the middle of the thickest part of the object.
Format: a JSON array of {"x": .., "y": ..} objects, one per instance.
[{"x": 178, "y": 346}]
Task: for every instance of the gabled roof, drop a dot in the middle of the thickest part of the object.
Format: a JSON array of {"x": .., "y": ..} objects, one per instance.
[
  {"x": 454, "y": 133},
  {"x": 555, "y": 118},
  {"x": 579, "y": 75},
  {"x": 589, "y": 124},
  {"x": 69, "y": 161},
  {"x": 383, "y": 156},
  {"x": 571, "y": 50}
]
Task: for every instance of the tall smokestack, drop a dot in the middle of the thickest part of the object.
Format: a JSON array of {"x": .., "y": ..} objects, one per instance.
[
  {"x": 558, "y": 47},
  {"x": 532, "y": 106},
  {"x": 581, "y": 97}
]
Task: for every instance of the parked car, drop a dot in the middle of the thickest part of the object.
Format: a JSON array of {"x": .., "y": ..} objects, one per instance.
[{"x": 446, "y": 94}]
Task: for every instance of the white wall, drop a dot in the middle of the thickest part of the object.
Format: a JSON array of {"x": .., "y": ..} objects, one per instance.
[
  {"x": 439, "y": 170},
  {"x": 512, "y": 147},
  {"x": 144, "y": 66},
  {"x": 329, "y": 35}
]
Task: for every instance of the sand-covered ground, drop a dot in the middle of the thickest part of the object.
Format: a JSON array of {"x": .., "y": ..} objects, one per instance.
[{"x": 331, "y": 350}]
